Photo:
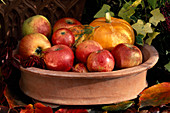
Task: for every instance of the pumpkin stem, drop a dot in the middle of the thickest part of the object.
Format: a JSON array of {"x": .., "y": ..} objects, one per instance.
[{"x": 108, "y": 17}]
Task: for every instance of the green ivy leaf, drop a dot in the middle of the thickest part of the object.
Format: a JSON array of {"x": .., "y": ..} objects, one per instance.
[
  {"x": 139, "y": 39},
  {"x": 120, "y": 106},
  {"x": 128, "y": 10},
  {"x": 152, "y": 3},
  {"x": 102, "y": 12},
  {"x": 167, "y": 66},
  {"x": 157, "y": 17},
  {"x": 142, "y": 28},
  {"x": 151, "y": 37}
]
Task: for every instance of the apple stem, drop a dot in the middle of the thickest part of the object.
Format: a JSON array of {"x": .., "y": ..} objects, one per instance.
[{"x": 108, "y": 17}]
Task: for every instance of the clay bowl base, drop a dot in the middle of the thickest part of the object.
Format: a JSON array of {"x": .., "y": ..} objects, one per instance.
[{"x": 71, "y": 88}]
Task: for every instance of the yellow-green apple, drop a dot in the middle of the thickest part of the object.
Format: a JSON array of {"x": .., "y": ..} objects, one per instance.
[
  {"x": 59, "y": 58},
  {"x": 65, "y": 22},
  {"x": 84, "y": 49},
  {"x": 37, "y": 24},
  {"x": 63, "y": 36},
  {"x": 80, "y": 67},
  {"x": 126, "y": 55},
  {"x": 33, "y": 44},
  {"x": 100, "y": 61}
]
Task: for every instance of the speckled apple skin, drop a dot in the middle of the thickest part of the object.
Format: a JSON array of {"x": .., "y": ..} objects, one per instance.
[
  {"x": 29, "y": 44},
  {"x": 100, "y": 61},
  {"x": 37, "y": 24},
  {"x": 85, "y": 48},
  {"x": 126, "y": 55},
  {"x": 59, "y": 58}
]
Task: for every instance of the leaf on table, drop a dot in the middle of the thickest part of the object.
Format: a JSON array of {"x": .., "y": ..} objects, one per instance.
[
  {"x": 142, "y": 28},
  {"x": 13, "y": 99},
  {"x": 152, "y": 3},
  {"x": 40, "y": 108},
  {"x": 157, "y": 17},
  {"x": 167, "y": 66},
  {"x": 28, "y": 109},
  {"x": 36, "y": 108},
  {"x": 151, "y": 37},
  {"x": 155, "y": 95},
  {"x": 102, "y": 12},
  {"x": 71, "y": 110},
  {"x": 120, "y": 106}
]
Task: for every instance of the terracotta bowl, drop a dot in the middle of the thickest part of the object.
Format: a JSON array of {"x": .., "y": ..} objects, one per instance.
[{"x": 72, "y": 88}]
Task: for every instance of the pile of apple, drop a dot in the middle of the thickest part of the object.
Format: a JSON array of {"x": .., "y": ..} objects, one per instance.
[{"x": 55, "y": 46}]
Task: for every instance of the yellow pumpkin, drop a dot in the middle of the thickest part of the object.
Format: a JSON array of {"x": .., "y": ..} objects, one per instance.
[{"x": 111, "y": 33}]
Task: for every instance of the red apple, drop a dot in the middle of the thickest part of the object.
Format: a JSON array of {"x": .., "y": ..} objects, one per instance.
[
  {"x": 84, "y": 49},
  {"x": 37, "y": 24},
  {"x": 101, "y": 60},
  {"x": 80, "y": 67},
  {"x": 126, "y": 55},
  {"x": 33, "y": 44},
  {"x": 63, "y": 36},
  {"x": 66, "y": 22},
  {"x": 59, "y": 58}
]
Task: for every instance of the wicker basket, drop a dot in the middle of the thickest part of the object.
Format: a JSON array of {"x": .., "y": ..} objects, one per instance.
[{"x": 15, "y": 12}]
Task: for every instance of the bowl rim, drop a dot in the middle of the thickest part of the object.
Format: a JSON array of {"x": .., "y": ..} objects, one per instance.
[{"x": 149, "y": 63}]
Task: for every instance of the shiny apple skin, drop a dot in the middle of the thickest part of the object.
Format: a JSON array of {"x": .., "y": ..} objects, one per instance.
[
  {"x": 37, "y": 24},
  {"x": 30, "y": 43},
  {"x": 59, "y": 58},
  {"x": 84, "y": 49},
  {"x": 127, "y": 55},
  {"x": 63, "y": 36},
  {"x": 80, "y": 67},
  {"x": 66, "y": 22},
  {"x": 100, "y": 61}
]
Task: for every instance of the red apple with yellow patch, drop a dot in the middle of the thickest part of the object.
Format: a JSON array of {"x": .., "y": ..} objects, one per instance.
[
  {"x": 84, "y": 49},
  {"x": 65, "y": 22},
  {"x": 126, "y": 55},
  {"x": 100, "y": 61},
  {"x": 33, "y": 44},
  {"x": 37, "y": 24},
  {"x": 59, "y": 58}
]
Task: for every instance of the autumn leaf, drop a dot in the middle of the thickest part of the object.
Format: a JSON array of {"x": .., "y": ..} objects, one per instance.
[
  {"x": 40, "y": 108},
  {"x": 156, "y": 95},
  {"x": 151, "y": 37},
  {"x": 157, "y": 17},
  {"x": 71, "y": 111},
  {"x": 36, "y": 108},
  {"x": 102, "y": 12},
  {"x": 28, "y": 109},
  {"x": 142, "y": 28},
  {"x": 120, "y": 106}
]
